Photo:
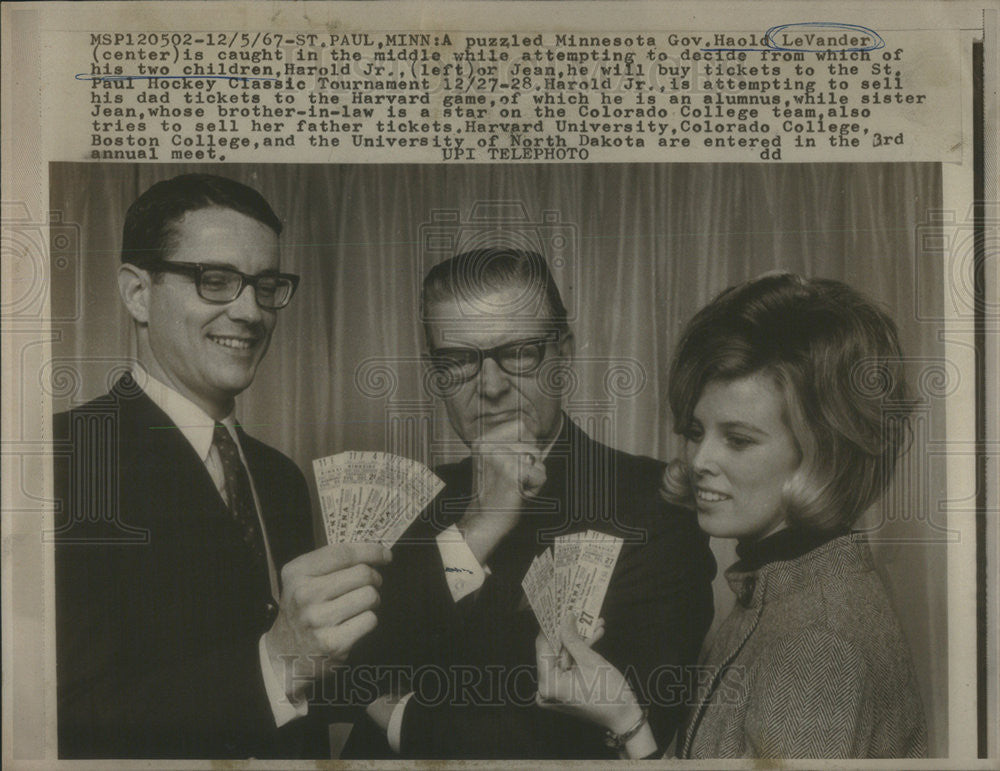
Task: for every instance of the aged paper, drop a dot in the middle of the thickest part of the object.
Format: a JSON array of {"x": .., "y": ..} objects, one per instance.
[{"x": 656, "y": 152}]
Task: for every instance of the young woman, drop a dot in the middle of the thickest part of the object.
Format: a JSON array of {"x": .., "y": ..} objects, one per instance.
[{"x": 790, "y": 396}]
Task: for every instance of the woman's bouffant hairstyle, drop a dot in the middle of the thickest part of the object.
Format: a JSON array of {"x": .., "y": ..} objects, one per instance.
[{"x": 836, "y": 358}]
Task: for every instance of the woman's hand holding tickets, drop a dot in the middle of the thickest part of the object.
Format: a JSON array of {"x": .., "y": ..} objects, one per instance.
[
  {"x": 328, "y": 602},
  {"x": 585, "y": 685}
]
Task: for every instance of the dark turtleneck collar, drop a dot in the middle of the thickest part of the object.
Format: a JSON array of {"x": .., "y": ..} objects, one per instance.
[{"x": 786, "y": 544}]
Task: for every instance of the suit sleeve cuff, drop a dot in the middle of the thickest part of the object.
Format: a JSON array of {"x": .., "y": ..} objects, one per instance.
[
  {"x": 462, "y": 570},
  {"x": 394, "y": 732},
  {"x": 283, "y": 710}
]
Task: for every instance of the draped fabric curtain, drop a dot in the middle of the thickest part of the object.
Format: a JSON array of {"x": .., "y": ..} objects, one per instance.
[{"x": 637, "y": 249}]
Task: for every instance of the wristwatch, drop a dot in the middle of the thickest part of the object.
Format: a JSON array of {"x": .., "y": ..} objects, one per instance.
[{"x": 617, "y": 741}]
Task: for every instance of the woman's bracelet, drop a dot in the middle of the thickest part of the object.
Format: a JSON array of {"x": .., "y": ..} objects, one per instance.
[{"x": 617, "y": 741}]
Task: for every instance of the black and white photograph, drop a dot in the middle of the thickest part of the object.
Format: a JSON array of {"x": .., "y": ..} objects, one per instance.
[
  {"x": 727, "y": 367},
  {"x": 500, "y": 384}
]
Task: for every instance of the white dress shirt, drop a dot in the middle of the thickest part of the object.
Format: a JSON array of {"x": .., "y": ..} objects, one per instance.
[{"x": 198, "y": 428}]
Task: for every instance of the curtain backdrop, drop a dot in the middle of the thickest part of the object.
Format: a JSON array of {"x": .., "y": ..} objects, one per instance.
[{"x": 636, "y": 249}]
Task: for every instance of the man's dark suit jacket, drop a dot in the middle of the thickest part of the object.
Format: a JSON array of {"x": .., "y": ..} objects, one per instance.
[
  {"x": 472, "y": 663},
  {"x": 159, "y": 609}
]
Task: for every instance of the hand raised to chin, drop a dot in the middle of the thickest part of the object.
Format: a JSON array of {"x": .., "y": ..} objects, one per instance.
[{"x": 507, "y": 469}]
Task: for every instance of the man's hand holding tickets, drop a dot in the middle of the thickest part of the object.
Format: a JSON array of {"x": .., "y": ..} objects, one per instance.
[
  {"x": 507, "y": 469},
  {"x": 328, "y": 600}
]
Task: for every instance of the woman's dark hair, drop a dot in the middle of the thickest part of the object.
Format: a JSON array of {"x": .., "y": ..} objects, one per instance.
[{"x": 148, "y": 234}]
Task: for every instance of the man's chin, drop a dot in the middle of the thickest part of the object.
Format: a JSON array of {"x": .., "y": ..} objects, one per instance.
[
  {"x": 234, "y": 384},
  {"x": 483, "y": 426}
]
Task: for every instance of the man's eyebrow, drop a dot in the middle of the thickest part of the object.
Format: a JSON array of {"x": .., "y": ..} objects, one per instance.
[
  {"x": 449, "y": 348},
  {"x": 211, "y": 264},
  {"x": 230, "y": 266},
  {"x": 519, "y": 341}
]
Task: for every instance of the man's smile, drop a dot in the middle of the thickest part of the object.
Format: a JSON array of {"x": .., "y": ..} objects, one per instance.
[{"x": 238, "y": 343}]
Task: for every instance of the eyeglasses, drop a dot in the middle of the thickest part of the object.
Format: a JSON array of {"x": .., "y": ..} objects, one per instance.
[
  {"x": 223, "y": 285},
  {"x": 519, "y": 358}
]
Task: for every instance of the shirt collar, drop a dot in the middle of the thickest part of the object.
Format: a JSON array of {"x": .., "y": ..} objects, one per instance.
[
  {"x": 548, "y": 449},
  {"x": 194, "y": 423}
]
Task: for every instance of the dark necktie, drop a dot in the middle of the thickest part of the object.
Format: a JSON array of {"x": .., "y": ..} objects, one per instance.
[{"x": 239, "y": 493}]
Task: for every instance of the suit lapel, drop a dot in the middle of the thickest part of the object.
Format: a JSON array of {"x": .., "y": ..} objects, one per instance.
[
  {"x": 167, "y": 468},
  {"x": 164, "y": 452},
  {"x": 284, "y": 501},
  {"x": 548, "y": 514}
]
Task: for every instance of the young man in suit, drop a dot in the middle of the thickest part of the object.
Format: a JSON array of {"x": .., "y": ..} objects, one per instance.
[
  {"x": 456, "y": 638},
  {"x": 192, "y": 611}
]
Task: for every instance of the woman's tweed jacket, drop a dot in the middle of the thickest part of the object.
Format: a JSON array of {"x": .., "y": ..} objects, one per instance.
[{"x": 811, "y": 663}]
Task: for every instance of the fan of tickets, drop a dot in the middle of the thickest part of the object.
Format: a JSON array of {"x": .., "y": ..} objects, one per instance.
[
  {"x": 571, "y": 579},
  {"x": 372, "y": 496}
]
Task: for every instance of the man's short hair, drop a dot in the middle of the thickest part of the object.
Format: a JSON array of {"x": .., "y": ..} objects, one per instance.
[
  {"x": 835, "y": 357},
  {"x": 470, "y": 276},
  {"x": 149, "y": 233}
]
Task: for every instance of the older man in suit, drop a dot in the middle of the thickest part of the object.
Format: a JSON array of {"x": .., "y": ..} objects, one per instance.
[
  {"x": 456, "y": 638},
  {"x": 192, "y": 611}
]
